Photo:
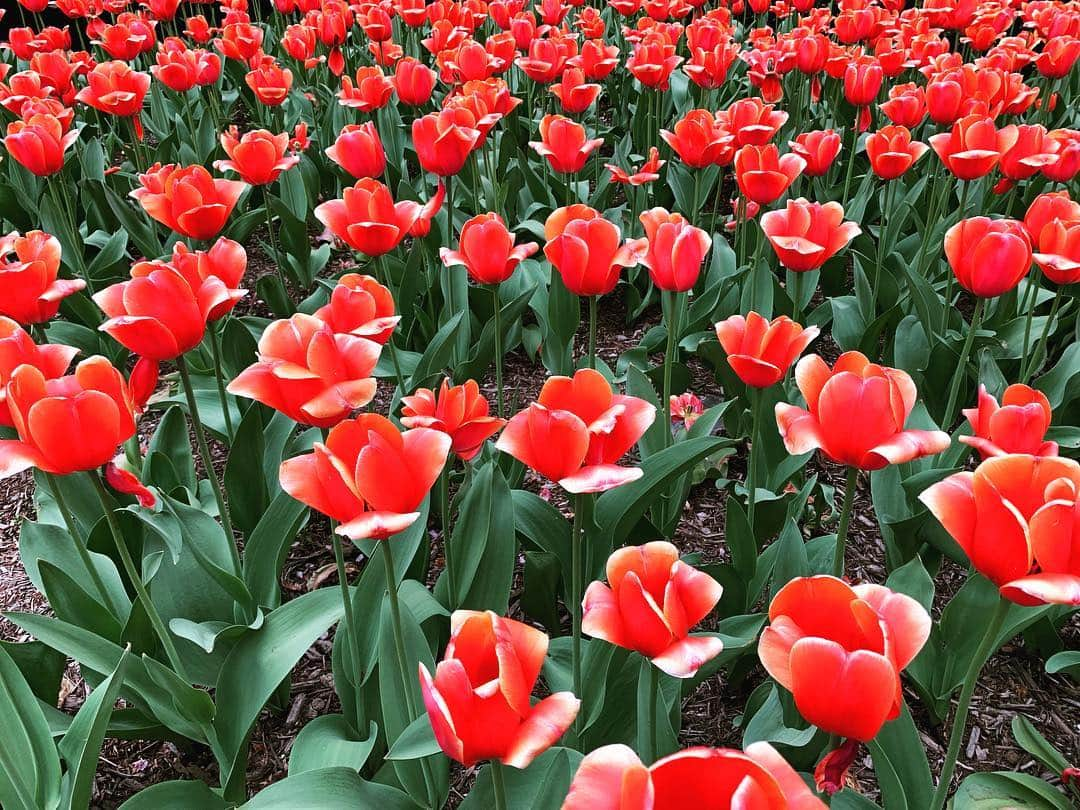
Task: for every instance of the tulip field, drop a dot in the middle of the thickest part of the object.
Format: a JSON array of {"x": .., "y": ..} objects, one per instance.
[{"x": 581, "y": 405}]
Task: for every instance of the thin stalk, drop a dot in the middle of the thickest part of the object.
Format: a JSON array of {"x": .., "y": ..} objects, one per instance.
[
  {"x": 1027, "y": 304},
  {"x": 1040, "y": 347},
  {"x": 498, "y": 784},
  {"x": 956, "y": 734},
  {"x": 498, "y": 351},
  {"x": 851, "y": 159},
  {"x": 669, "y": 357},
  {"x": 384, "y": 278},
  {"x": 592, "y": 332},
  {"x": 76, "y": 537},
  {"x": 961, "y": 368},
  {"x": 350, "y": 619},
  {"x": 577, "y": 541},
  {"x": 890, "y": 191},
  {"x": 444, "y": 513},
  {"x": 275, "y": 255},
  {"x": 652, "y": 690},
  {"x": 845, "y": 521},
  {"x": 751, "y": 464},
  {"x": 215, "y": 349}
]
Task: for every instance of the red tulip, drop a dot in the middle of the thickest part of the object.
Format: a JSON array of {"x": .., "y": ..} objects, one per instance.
[
  {"x": 257, "y": 156},
  {"x": 1018, "y": 425},
  {"x": 596, "y": 59},
  {"x": 819, "y": 149},
  {"x": 269, "y": 82},
  {"x": 1059, "y": 251},
  {"x": 1015, "y": 517},
  {"x": 66, "y": 424},
  {"x": 1044, "y": 209},
  {"x": 39, "y": 143},
  {"x": 709, "y": 68},
  {"x": 892, "y": 152},
  {"x": 587, "y": 251},
  {"x": 699, "y": 140},
  {"x": 487, "y": 250},
  {"x": 444, "y": 140},
  {"x": 805, "y": 235},
  {"x": 974, "y": 146},
  {"x": 17, "y": 348},
  {"x": 685, "y": 408},
  {"x": 988, "y": 256},
  {"x": 862, "y": 81},
  {"x": 186, "y": 199},
  {"x": 906, "y": 106},
  {"x": 648, "y": 173},
  {"x": 367, "y": 219},
  {"x": 574, "y": 94},
  {"x": 1031, "y": 152},
  {"x": 180, "y": 68},
  {"x": 763, "y": 175},
  {"x": 126, "y": 38},
  {"x": 856, "y": 414},
  {"x": 650, "y": 603},
  {"x": 759, "y": 351},
  {"x": 479, "y": 702},
  {"x": 576, "y": 432},
  {"x": 652, "y": 62},
  {"x": 839, "y": 650},
  {"x": 461, "y": 412},
  {"x": 751, "y": 121},
  {"x": 676, "y": 250},
  {"x": 241, "y": 41},
  {"x": 360, "y": 306},
  {"x": 359, "y": 150},
  {"x": 1067, "y": 156},
  {"x": 1058, "y": 56},
  {"x": 371, "y": 91},
  {"x": 309, "y": 373},
  {"x": 225, "y": 262},
  {"x": 115, "y": 89},
  {"x": 30, "y": 291},
  {"x": 422, "y": 226},
  {"x": 564, "y": 143}
]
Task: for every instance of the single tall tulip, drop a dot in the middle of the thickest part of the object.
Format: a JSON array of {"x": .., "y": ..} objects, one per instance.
[
  {"x": 257, "y": 156},
  {"x": 444, "y": 140},
  {"x": 39, "y": 143},
  {"x": 186, "y": 199},
  {"x": 360, "y": 306},
  {"x": 974, "y": 146},
  {"x": 359, "y": 150},
  {"x": 819, "y": 149},
  {"x": 30, "y": 291},
  {"x": 115, "y": 89},
  {"x": 805, "y": 234},
  {"x": 699, "y": 140},
  {"x": 367, "y": 219},
  {"x": 1017, "y": 425},
  {"x": 763, "y": 175},
  {"x": 564, "y": 143},
  {"x": 459, "y": 411},
  {"x": 892, "y": 152},
  {"x": 676, "y": 250},
  {"x": 487, "y": 250}
]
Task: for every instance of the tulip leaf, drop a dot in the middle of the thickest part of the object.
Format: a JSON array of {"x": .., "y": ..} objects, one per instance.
[
  {"x": 900, "y": 765},
  {"x": 267, "y": 546},
  {"x": 1067, "y": 661},
  {"x": 1028, "y": 738},
  {"x": 416, "y": 741},
  {"x": 1002, "y": 790},
  {"x": 248, "y": 495},
  {"x": 437, "y": 353},
  {"x": 329, "y": 742},
  {"x": 325, "y": 788},
  {"x": 178, "y": 794},
  {"x": 29, "y": 765},
  {"x": 541, "y": 786}
]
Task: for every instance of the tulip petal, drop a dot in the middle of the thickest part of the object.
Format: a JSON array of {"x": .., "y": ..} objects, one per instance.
[
  {"x": 798, "y": 794},
  {"x": 15, "y": 457},
  {"x": 798, "y": 428},
  {"x": 906, "y": 446},
  {"x": 600, "y": 615},
  {"x": 684, "y": 658},
  {"x": 599, "y": 478},
  {"x": 610, "y": 778},
  {"x": 549, "y": 720},
  {"x": 1043, "y": 589},
  {"x": 377, "y": 525}
]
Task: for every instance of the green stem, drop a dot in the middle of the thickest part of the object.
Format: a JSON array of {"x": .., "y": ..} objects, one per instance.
[
  {"x": 592, "y": 331},
  {"x": 673, "y": 299},
  {"x": 845, "y": 521},
  {"x": 498, "y": 351},
  {"x": 652, "y": 689},
  {"x": 76, "y": 537},
  {"x": 751, "y": 463},
  {"x": 890, "y": 190},
  {"x": 275, "y": 254},
  {"x": 851, "y": 159},
  {"x": 215, "y": 349},
  {"x": 1027, "y": 304},
  {"x": 961, "y": 368},
  {"x": 384, "y": 278},
  {"x": 577, "y": 541},
  {"x": 444, "y": 512},
  {"x": 956, "y": 734},
  {"x": 1040, "y": 347},
  {"x": 350, "y": 627},
  {"x": 136, "y": 579},
  {"x": 498, "y": 785}
]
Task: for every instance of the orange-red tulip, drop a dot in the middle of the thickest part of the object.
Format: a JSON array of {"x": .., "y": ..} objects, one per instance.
[
  {"x": 699, "y": 140},
  {"x": 1046, "y": 208},
  {"x": 360, "y": 306},
  {"x": 648, "y": 173},
  {"x": 444, "y": 140},
  {"x": 974, "y": 146},
  {"x": 225, "y": 261},
  {"x": 564, "y": 143},
  {"x": 1032, "y": 151},
  {"x": 270, "y": 82},
  {"x": 574, "y": 93},
  {"x": 1067, "y": 156},
  {"x": 459, "y": 411},
  {"x": 1059, "y": 251},
  {"x": 257, "y": 156},
  {"x": 805, "y": 235},
  {"x": 30, "y": 292},
  {"x": 17, "y": 348},
  {"x": 988, "y": 256},
  {"x": 367, "y": 219},
  {"x": 751, "y": 121},
  {"x": 763, "y": 175},
  {"x": 372, "y": 90},
  {"x": 359, "y": 150},
  {"x": 39, "y": 143},
  {"x": 819, "y": 149},
  {"x": 487, "y": 250},
  {"x": 186, "y": 199},
  {"x": 760, "y": 351},
  {"x": 892, "y": 152},
  {"x": 115, "y": 89},
  {"x": 414, "y": 81},
  {"x": 676, "y": 250},
  {"x": 1018, "y": 425},
  {"x": 587, "y": 251}
]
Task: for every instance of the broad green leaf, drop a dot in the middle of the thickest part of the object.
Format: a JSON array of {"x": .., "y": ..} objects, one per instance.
[
  {"x": 329, "y": 742},
  {"x": 179, "y": 794},
  {"x": 416, "y": 741},
  {"x": 901, "y": 766},
  {"x": 541, "y": 786},
  {"x": 29, "y": 766},
  {"x": 328, "y": 788},
  {"x": 1008, "y": 791}
]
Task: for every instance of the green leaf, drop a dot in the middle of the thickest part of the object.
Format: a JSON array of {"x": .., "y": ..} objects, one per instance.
[
  {"x": 1065, "y": 661},
  {"x": 328, "y": 741},
  {"x": 437, "y": 353},
  {"x": 248, "y": 496},
  {"x": 42, "y": 666},
  {"x": 268, "y": 545},
  {"x": 900, "y": 765},
  {"x": 541, "y": 786},
  {"x": 178, "y": 794},
  {"x": 416, "y": 741},
  {"x": 328, "y": 788},
  {"x": 1007, "y": 791},
  {"x": 1028, "y": 738},
  {"x": 29, "y": 766}
]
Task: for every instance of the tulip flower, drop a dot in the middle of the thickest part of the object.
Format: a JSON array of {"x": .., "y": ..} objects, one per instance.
[
  {"x": 805, "y": 235},
  {"x": 30, "y": 291},
  {"x": 225, "y": 261},
  {"x": 676, "y": 250},
  {"x": 906, "y": 106},
  {"x": 39, "y": 143},
  {"x": 459, "y": 411},
  {"x": 414, "y": 81},
  {"x": 479, "y": 702},
  {"x": 596, "y": 59},
  {"x": 360, "y": 306},
  {"x": 359, "y": 150},
  {"x": 652, "y": 62},
  {"x": 372, "y": 90},
  {"x": 1018, "y": 425},
  {"x": 974, "y": 146},
  {"x": 367, "y": 219},
  {"x": 1059, "y": 252},
  {"x": 988, "y": 257},
  {"x": 240, "y": 41},
  {"x": 17, "y": 348},
  {"x": 685, "y": 408},
  {"x": 612, "y": 777},
  {"x": 564, "y": 143},
  {"x": 649, "y": 605},
  {"x": 1066, "y": 164},
  {"x": 862, "y": 81},
  {"x": 1029, "y": 154},
  {"x": 760, "y": 351},
  {"x": 751, "y": 121},
  {"x": 648, "y": 173},
  {"x": 699, "y": 140},
  {"x": 269, "y": 82},
  {"x": 187, "y": 199},
  {"x": 587, "y": 251},
  {"x": 422, "y": 226},
  {"x": 309, "y": 373},
  {"x": 487, "y": 250},
  {"x": 115, "y": 89},
  {"x": 762, "y": 175},
  {"x": 574, "y": 93},
  {"x": 819, "y": 149},
  {"x": 444, "y": 140},
  {"x": 257, "y": 156},
  {"x": 1044, "y": 209},
  {"x": 892, "y": 152},
  {"x": 840, "y": 650}
]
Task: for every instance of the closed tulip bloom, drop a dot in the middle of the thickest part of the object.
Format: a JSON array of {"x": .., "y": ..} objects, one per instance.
[
  {"x": 359, "y": 150},
  {"x": 1016, "y": 518},
  {"x": 862, "y": 81},
  {"x": 487, "y": 250},
  {"x": 974, "y": 146},
  {"x": 988, "y": 256},
  {"x": 651, "y": 602},
  {"x": 856, "y": 412},
  {"x": 698, "y": 140},
  {"x": 589, "y": 253},
  {"x": 459, "y": 411},
  {"x": 805, "y": 235},
  {"x": 309, "y": 373},
  {"x": 115, "y": 89},
  {"x": 257, "y": 156},
  {"x": 269, "y": 82},
  {"x": 17, "y": 348},
  {"x": 819, "y": 149},
  {"x": 892, "y": 152},
  {"x": 1059, "y": 251},
  {"x": 39, "y": 144},
  {"x": 187, "y": 200},
  {"x": 225, "y": 261},
  {"x": 763, "y": 175},
  {"x": 1017, "y": 425},
  {"x": 840, "y": 649},
  {"x": 676, "y": 250},
  {"x": 66, "y": 424},
  {"x": 760, "y": 351},
  {"x": 367, "y": 219},
  {"x": 906, "y": 106},
  {"x": 652, "y": 62},
  {"x": 564, "y": 143},
  {"x": 360, "y": 306},
  {"x": 1067, "y": 156},
  {"x": 1044, "y": 209},
  {"x": 30, "y": 291},
  {"x": 479, "y": 700},
  {"x": 444, "y": 140},
  {"x": 574, "y": 93},
  {"x": 576, "y": 432},
  {"x": 612, "y": 777},
  {"x": 414, "y": 81}
]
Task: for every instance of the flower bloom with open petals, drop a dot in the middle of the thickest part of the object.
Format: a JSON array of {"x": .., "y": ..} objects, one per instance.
[
  {"x": 650, "y": 603},
  {"x": 892, "y": 152},
  {"x": 360, "y": 306},
  {"x": 115, "y": 89},
  {"x": 30, "y": 291},
  {"x": 309, "y": 373},
  {"x": 225, "y": 261},
  {"x": 39, "y": 143},
  {"x": 752, "y": 121},
  {"x": 367, "y": 219},
  {"x": 1059, "y": 251},
  {"x": 66, "y": 424},
  {"x": 359, "y": 150},
  {"x": 444, "y": 140},
  {"x": 479, "y": 701},
  {"x": 840, "y": 650},
  {"x": 819, "y": 149},
  {"x": 576, "y": 431},
  {"x": 368, "y": 475},
  {"x": 186, "y": 199},
  {"x": 270, "y": 82},
  {"x": 805, "y": 235},
  {"x": 1017, "y": 518},
  {"x": 1017, "y": 425},
  {"x": 613, "y": 778},
  {"x": 974, "y": 146},
  {"x": 486, "y": 248},
  {"x": 587, "y": 250},
  {"x": 699, "y": 140},
  {"x": 1044, "y": 209},
  {"x": 649, "y": 171},
  {"x": 257, "y": 156},
  {"x": 763, "y": 175},
  {"x": 856, "y": 412},
  {"x": 574, "y": 93},
  {"x": 988, "y": 256},
  {"x": 17, "y": 348},
  {"x": 676, "y": 250},
  {"x": 459, "y": 411},
  {"x": 564, "y": 143},
  {"x": 760, "y": 351}
]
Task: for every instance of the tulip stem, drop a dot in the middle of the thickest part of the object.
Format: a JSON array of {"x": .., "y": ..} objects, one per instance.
[
  {"x": 215, "y": 350},
  {"x": 76, "y": 537},
  {"x": 444, "y": 512},
  {"x": 1040, "y": 347},
  {"x": 275, "y": 255},
  {"x": 577, "y": 549},
  {"x": 1027, "y": 305},
  {"x": 136, "y": 579},
  {"x": 845, "y": 521},
  {"x": 851, "y": 158},
  {"x": 956, "y": 733},
  {"x": 498, "y": 351},
  {"x": 652, "y": 688},
  {"x": 961, "y": 368},
  {"x": 674, "y": 304},
  {"x": 756, "y": 398},
  {"x": 592, "y": 332},
  {"x": 383, "y": 276},
  {"x": 498, "y": 785},
  {"x": 349, "y": 630}
]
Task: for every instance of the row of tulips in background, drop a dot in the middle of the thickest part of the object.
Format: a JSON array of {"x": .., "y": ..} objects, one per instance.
[{"x": 491, "y": 179}]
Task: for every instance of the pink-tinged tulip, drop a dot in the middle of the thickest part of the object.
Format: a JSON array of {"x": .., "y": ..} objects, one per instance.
[
  {"x": 367, "y": 219},
  {"x": 892, "y": 152},
  {"x": 359, "y": 151},
  {"x": 487, "y": 250},
  {"x": 17, "y": 348},
  {"x": 564, "y": 143},
  {"x": 819, "y": 149},
  {"x": 1017, "y": 518},
  {"x": 257, "y": 156},
  {"x": 649, "y": 171},
  {"x": 422, "y": 226},
  {"x": 699, "y": 140},
  {"x": 39, "y": 143},
  {"x": 760, "y": 351},
  {"x": 974, "y": 146},
  {"x": 1018, "y": 425},
  {"x": 574, "y": 93},
  {"x": 309, "y": 373},
  {"x": 479, "y": 701},
  {"x": 576, "y": 432},
  {"x": 840, "y": 649},
  {"x": 459, "y": 411},
  {"x": 751, "y": 121},
  {"x": 444, "y": 140},
  {"x": 988, "y": 256},
  {"x": 30, "y": 291},
  {"x": 676, "y": 250},
  {"x": 115, "y": 89},
  {"x": 651, "y": 602},
  {"x": 587, "y": 251},
  {"x": 225, "y": 262},
  {"x": 763, "y": 175},
  {"x": 1044, "y": 209},
  {"x": 856, "y": 412},
  {"x": 805, "y": 235},
  {"x": 360, "y": 306},
  {"x": 187, "y": 199},
  {"x": 414, "y": 81},
  {"x": 685, "y": 408},
  {"x": 1059, "y": 251}
]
